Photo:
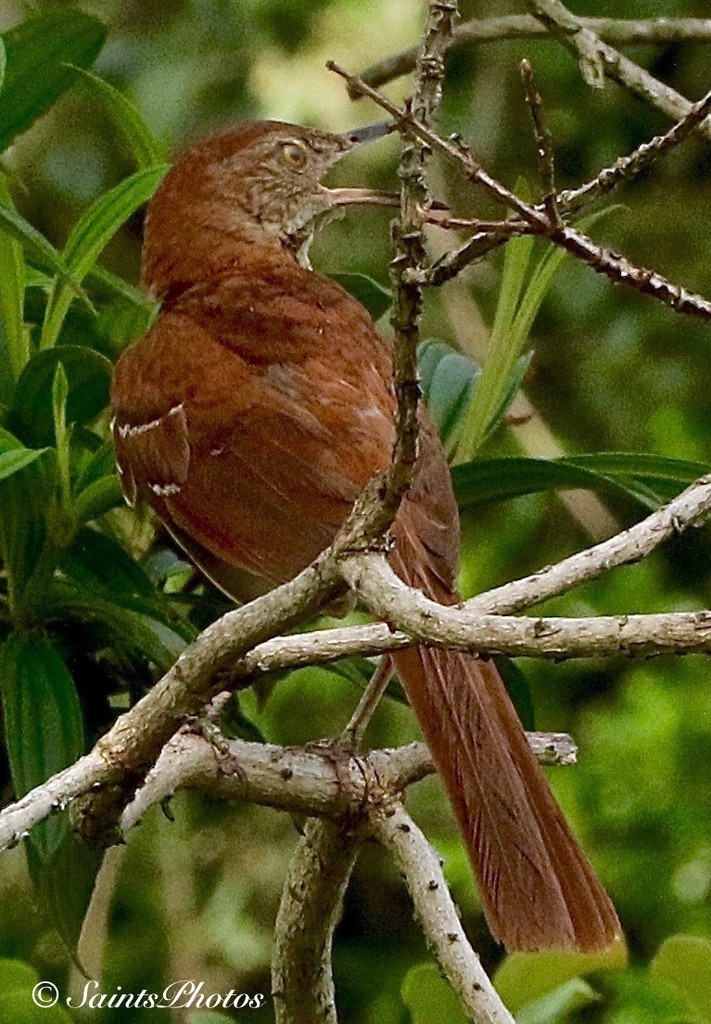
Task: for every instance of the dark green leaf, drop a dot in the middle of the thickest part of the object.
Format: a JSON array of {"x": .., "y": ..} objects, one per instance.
[
  {"x": 90, "y": 235},
  {"x": 13, "y": 462},
  {"x": 101, "y": 464},
  {"x": 88, "y": 376},
  {"x": 374, "y": 296},
  {"x": 42, "y": 719},
  {"x": 12, "y": 224},
  {"x": 25, "y": 498},
  {"x": 96, "y": 557},
  {"x": 648, "y": 479},
  {"x": 38, "y": 50},
  {"x": 65, "y": 883},
  {"x": 146, "y": 150},
  {"x": 97, "y": 498},
  {"x": 14, "y": 344}
]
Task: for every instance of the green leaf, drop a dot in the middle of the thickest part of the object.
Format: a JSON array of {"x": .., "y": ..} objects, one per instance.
[
  {"x": 12, "y": 224},
  {"x": 38, "y": 50},
  {"x": 105, "y": 282},
  {"x": 525, "y": 977},
  {"x": 510, "y": 390},
  {"x": 16, "y": 975},
  {"x": 19, "y": 1008},
  {"x": 557, "y": 1006},
  {"x": 685, "y": 961},
  {"x": 25, "y": 496},
  {"x": 14, "y": 344},
  {"x": 648, "y": 479},
  {"x": 14, "y": 461},
  {"x": 97, "y": 498},
  {"x": 503, "y": 350},
  {"x": 42, "y": 719},
  {"x": 429, "y": 998},
  {"x": 447, "y": 380},
  {"x": 88, "y": 377},
  {"x": 515, "y": 312},
  {"x": 370, "y": 293},
  {"x": 90, "y": 235},
  {"x": 146, "y": 151},
  {"x": 65, "y": 881}
]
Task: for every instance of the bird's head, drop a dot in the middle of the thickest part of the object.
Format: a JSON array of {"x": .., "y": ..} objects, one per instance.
[{"x": 258, "y": 183}]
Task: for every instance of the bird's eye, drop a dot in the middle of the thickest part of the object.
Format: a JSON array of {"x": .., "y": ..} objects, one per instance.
[{"x": 294, "y": 153}]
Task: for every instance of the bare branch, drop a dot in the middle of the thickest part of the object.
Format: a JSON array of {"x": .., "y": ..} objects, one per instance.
[
  {"x": 689, "y": 509},
  {"x": 618, "y": 268},
  {"x": 410, "y": 254},
  {"x": 519, "y": 26},
  {"x": 437, "y": 914},
  {"x": 311, "y": 906},
  {"x": 626, "y": 168},
  {"x": 320, "y": 780},
  {"x": 599, "y": 60},
  {"x": 355, "y": 730}
]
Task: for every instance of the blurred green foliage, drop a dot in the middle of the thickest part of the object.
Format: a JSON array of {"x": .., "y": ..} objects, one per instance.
[{"x": 94, "y": 604}]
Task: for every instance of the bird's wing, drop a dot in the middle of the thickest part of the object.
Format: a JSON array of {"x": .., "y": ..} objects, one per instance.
[{"x": 257, "y": 461}]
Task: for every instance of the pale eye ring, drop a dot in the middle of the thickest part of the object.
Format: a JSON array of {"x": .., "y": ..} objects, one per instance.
[{"x": 294, "y": 153}]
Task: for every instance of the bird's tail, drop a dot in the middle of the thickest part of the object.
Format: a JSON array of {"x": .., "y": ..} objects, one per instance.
[{"x": 537, "y": 887}]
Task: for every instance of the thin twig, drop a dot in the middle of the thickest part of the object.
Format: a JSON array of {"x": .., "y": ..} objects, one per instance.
[
  {"x": 603, "y": 260},
  {"x": 544, "y": 143},
  {"x": 394, "y": 828},
  {"x": 626, "y": 168},
  {"x": 353, "y": 733},
  {"x": 520, "y": 26}
]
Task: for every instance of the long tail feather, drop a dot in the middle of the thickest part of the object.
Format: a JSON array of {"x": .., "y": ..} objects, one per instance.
[{"x": 537, "y": 887}]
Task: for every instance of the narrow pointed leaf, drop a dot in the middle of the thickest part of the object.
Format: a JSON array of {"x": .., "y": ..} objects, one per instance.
[
  {"x": 98, "y": 498},
  {"x": 36, "y": 75},
  {"x": 145, "y": 150},
  {"x": 14, "y": 343},
  {"x": 12, "y": 224},
  {"x": 648, "y": 479},
  {"x": 13, "y": 462},
  {"x": 88, "y": 377},
  {"x": 91, "y": 234},
  {"x": 42, "y": 719}
]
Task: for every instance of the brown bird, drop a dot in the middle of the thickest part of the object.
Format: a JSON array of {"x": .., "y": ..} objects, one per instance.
[{"x": 251, "y": 416}]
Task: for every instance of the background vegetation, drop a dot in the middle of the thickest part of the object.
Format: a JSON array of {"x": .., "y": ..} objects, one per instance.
[{"x": 611, "y": 371}]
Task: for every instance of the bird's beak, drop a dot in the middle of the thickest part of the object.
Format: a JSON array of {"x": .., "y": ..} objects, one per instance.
[
  {"x": 369, "y": 132},
  {"x": 351, "y": 196}
]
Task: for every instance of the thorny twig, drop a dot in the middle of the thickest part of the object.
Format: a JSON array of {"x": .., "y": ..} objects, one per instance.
[{"x": 617, "y": 268}]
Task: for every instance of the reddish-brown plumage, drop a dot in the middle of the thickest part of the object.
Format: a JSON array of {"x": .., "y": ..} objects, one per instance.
[{"x": 251, "y": 416}]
